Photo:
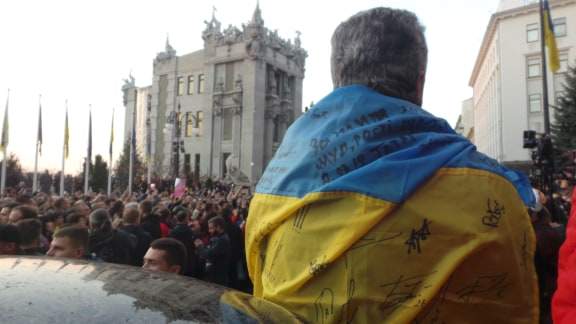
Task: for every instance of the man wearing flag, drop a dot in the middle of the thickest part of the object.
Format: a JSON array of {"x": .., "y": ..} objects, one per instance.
[{"x": 373, "y": 210}]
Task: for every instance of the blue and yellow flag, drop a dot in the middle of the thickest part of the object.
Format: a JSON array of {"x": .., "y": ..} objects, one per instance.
[
  {"x": 550, "y": 38},
  {"x": 373, "y": 210}
]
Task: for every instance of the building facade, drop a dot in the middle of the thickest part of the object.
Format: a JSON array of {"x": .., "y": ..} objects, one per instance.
[
  {"x": 221, "y": 110},
  {"x": 507, "y": 76}
]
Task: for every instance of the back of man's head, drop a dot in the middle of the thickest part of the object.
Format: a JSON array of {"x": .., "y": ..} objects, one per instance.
[
  {"x": 131, "y": 216},
  {"x": 9, "y": 239},
  {"x": 29, "y": 231},
  {"x": 100, "y": 220},
  {"x": 182, "y": 216},
  {"x": 381, "y": 48},
  {"x": 27, "y": 212},
  {"x": 146, "y": 207}
]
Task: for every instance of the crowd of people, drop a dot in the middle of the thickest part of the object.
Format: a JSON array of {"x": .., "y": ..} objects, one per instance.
[{"x": 197, "y": 234}]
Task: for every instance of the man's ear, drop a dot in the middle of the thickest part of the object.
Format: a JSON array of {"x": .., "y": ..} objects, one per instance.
[
  {"x": 79, "y": 253},
  {"x": 175, "y": 269}
]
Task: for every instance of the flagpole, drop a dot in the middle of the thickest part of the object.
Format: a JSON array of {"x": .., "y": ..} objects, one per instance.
[
  {"x": 111, "y": 151},
  {"x": 4, "y": 145},
  {"x": 88, "y": 155},
  {"x": 130, "y": 166},
  {"x": 35, "y": 178},
  {"x": 62, "y": 173},
  {"x": 3, "y": 185},
  {"x": 132, "y": 144},
  {"x": 64, "y": 148},
  {"x": 544, "y": 72}
]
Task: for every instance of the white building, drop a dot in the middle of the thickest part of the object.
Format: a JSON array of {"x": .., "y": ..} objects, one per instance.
[
  {"x": 507, "y": 76},
  {"x": 233, "y": 101}
]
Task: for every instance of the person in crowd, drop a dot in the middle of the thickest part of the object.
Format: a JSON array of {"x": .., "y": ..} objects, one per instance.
[
  {"x": 61, "y": 205},
  {"x": 131, "y": 225},
  {"x": 30, "y": 230},
  {"x": 166, "y": 255},
  {"x": 164, "y": 216},
  {"x": 564, "y": 299},
  {"x": 217, "y": 254},
  {"x": 373, "y": 210},
  {"x": 70, "y": 242},
  {"x": 74, "y": 217},
  {"x": 150, "y": 221},
  {"x": 21, "y": 212},
  {"x": 108, "y": 244},
  {"x": 183, "y": 233},
  {"x": 9, "y": 240}
]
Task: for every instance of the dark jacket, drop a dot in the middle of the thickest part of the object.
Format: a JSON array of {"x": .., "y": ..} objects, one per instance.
[
  {"x": 151, "y": 224},
  {"x": 184, "y": 234},
  {"x": 114, "y": 247},
  {"x": 143, "y": 240},
  {"x": 217, "y": 255}
]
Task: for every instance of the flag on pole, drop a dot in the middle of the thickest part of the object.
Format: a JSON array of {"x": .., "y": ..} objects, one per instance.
[
  {"x": 112, "y": 133},
  {"x": 39, "y": 135},
  {"x": 66, "y": 136},
  {"x": 5, "y": 130},
  {"x": 550, "y": 39}
]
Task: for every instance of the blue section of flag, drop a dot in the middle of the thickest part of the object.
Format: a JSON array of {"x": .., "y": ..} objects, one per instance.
[{"x": 358, "y": 140}]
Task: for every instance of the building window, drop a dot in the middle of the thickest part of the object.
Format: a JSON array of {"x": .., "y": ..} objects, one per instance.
[
  {"x": 201, "y": 83},
  {"x": 534, "y": 103},
  {"x": 190, "y": 84},
  {"x": 563, "y": 63},
  {"x": 199, "y": 119},
  {"x": 532, "y": 33},
  {"x": 180, "y": 90},
  {"x": 189, "y": 124},
  {"x": 534, "y": 69},
  {"x": 227, "y": 115},
  {"x": 229, "y": 77},
  {"x": 559, "y": 26}
]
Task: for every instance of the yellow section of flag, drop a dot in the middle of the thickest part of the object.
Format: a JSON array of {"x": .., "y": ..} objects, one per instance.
[
  {"x": 550, "y": 38},
  {"x": 342, "y": 257}
]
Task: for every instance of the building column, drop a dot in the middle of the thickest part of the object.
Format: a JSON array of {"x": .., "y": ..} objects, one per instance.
[
  {"x": 237, "y": 134},
  {"x": 269, "y": 137}
]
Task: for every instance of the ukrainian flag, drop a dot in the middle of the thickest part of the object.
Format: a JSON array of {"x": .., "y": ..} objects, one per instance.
[
  {"x": 373, "y": 210},
  {"x": 550, "y": 38}
]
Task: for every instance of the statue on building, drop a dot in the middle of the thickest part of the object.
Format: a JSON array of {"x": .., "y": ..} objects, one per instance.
[
  {"x": 129, "y": 83},
  {"x": 234, "y": 173},
  {"x": 169, "y": 52},
  {"x": 212, "y": 29}
]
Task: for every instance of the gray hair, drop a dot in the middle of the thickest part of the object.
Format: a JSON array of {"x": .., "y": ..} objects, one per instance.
[
  {"x": 100, "y": 221},
  {"x": 381, "y": 48}
]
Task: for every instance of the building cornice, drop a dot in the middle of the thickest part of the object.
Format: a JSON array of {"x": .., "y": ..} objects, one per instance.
[{"x": 493, "y": 25}]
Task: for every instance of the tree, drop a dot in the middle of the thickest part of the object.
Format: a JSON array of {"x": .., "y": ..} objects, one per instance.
[
  {"x": 45, "y": 182},
  {"x": 120, "y": 180},
  {"x": 14, "y": 174},
  {"x": 564, "y": 127},
  {"x": 99, "y": 175}
]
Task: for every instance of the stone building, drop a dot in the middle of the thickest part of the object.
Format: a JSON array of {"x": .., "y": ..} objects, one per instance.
[{"x": 224, "y": 108}]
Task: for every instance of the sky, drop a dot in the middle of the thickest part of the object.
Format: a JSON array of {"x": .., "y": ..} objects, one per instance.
[{"x": 80, "y": 51}]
